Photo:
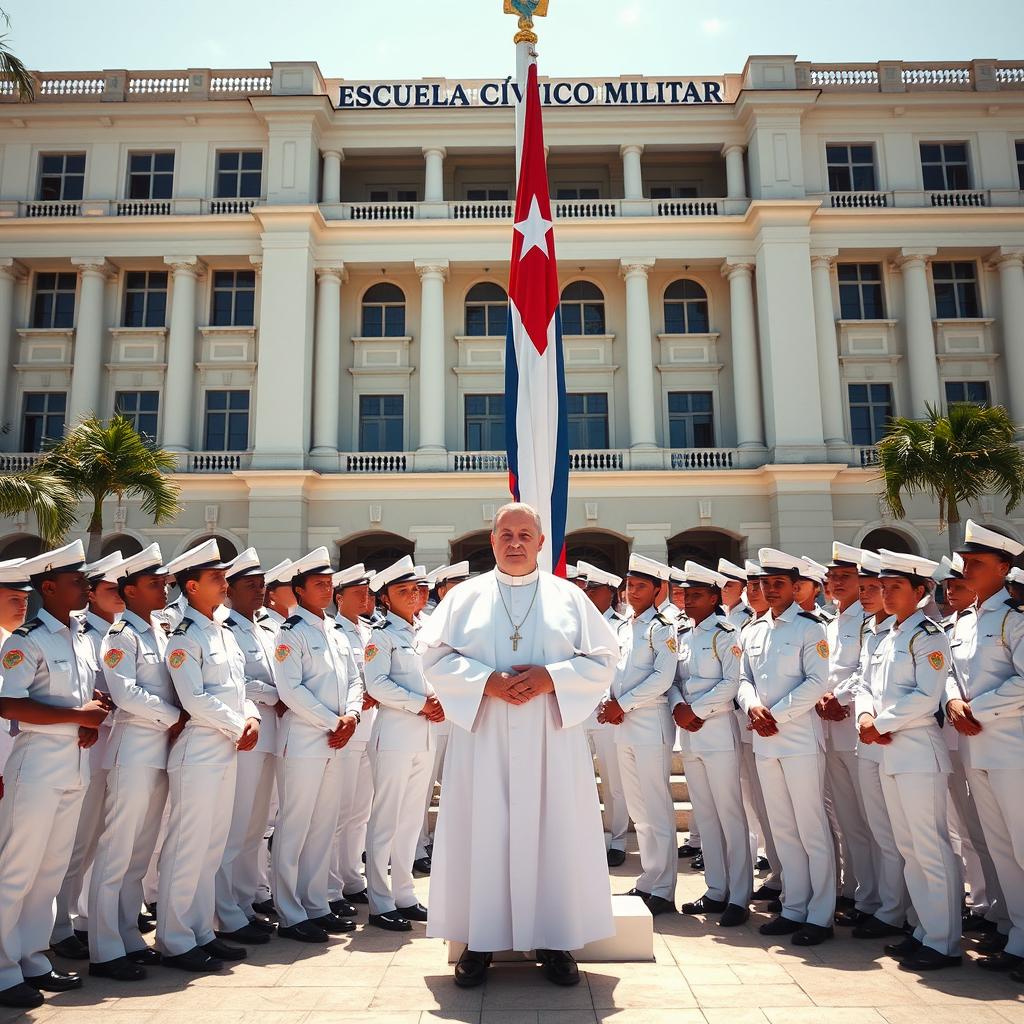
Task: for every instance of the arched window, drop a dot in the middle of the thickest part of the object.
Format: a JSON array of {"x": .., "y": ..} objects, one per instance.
[
  {"x": 486, "y": 310},
  {"x": 582, "y": 309},
  {"x": 384, "y": 312},
  {"x": 123, "y": 542},
  {"x": 686, "y": 308},
  {"x": 891, "y": 540}
]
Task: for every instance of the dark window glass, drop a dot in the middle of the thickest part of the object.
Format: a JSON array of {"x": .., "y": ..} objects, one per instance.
[
  {"x": 860, "y": 291},
  {"x": 493, "y": 195},
  {"x": 944, "y": 166},
  {"x": 691, "y": 421},
  {"x": 141, "y": 407},
  {"x": 226, "y": 421},
  {"x": 850, "y": 168},
  {"x": 582, "y": 308},
  {"x": 956, "y": 290},
  {"x": 486, "y": 310},
  {"x": 686, "y": 308},
  {"x": 384, "y": 312},
  {"x": 53, "y": 300},
  {"x": 381, "y": 421},
  {"x": 870, "y": 411},
  {"x": 485, "y": 423},
  {"x": 43, "y": 419},
  {"x": 1019, "y": 146},
  {"x": 150, "y": 175},
  {"x": 239, "y": 174},
  {"x": 975, "y": 391},
  {"x": 145, "y": 298},
  {"x": 234, "y": 298},
  {"x": 588, "y": 420},
  {"x": 62, "y": 176},
  {"x": 578, "y": 193}
]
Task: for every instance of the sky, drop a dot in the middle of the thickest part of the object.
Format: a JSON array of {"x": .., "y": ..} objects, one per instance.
[{"x": 399, "y": 39}]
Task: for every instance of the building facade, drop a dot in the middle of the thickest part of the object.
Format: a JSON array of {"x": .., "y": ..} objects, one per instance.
[{"x": 297, "y": 284}]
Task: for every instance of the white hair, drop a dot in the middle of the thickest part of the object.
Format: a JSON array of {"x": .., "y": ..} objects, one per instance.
[{"x": 517, "y": 506}]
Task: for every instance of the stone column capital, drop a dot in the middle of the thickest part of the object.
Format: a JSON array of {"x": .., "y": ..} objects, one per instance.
[
  {"x": 336, "y": 152},
  {"x": 431, "y": 268},
  {"x": 256, "y": 262},
  {"x": 1007, "y": 256},
  {"x": 737, "y": 266},
  {"x": 441, "y": 151},
  {"x": 11, "y": 269},
  {"x": 636, "y": 267},
  {"x": 337, "y": 271},
  {"x": 823, "y": 258},
  {"x": 631, "y": 147},
  {"x": 733, "y": 147},
  {"x": 914, "y": 257},
  {"x": 97, "y": 266},
  {"x": 185, "y": 266}
]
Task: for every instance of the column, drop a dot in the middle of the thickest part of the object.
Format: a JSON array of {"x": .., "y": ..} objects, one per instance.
[
  {"x": 1010, "y": 262},
  {"x": 327, "y": 359},
  {"x": 828, "y": 351},
  {"x": 179, "y": 379},
  {"x": 632, "y": 173},
  {"x": 922, "y": 366},
  {"x": 433, "y": 274},
  {"x": 331, "y": 189},
  {"x": 639, "y": 357},
  {"x": 87, "y": 371},
  {"x": 433, "y": 178},
  {"x": 10, "y": 272},
  {"x": 746, "y": 372},
  {"x": 735, "y": 178}
]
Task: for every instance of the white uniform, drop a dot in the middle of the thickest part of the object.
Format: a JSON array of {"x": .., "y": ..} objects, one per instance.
[
  {"x": 6, "y": 738},
  {"x": 208, "y": 672},
  {"x": 136, "y": 762},
  {"x": 401, "y": 758},
  {"x": 708, "y": 680},
  {"x": 784, "y": 668},
  {"x": 346, "y": 872},
  {"x": 988, "y": 663},
  {"x": 44, "y": 784},
  {"x": 644, "y": 740},
  {"x": 908, "y": 674},
  {"x": 238, "y": 876}
]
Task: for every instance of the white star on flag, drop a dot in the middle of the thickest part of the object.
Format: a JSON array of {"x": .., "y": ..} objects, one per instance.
[{"x": 534, "y": 230}]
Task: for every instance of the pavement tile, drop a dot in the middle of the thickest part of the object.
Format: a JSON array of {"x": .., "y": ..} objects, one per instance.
[{"x": 739, "y": 996}]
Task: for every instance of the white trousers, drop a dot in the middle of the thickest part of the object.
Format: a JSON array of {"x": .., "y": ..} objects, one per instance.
[
  {"x": 714, "y": 784},
  {"x": 646, "y": 773},
  {"x": 893, "y": 898},
  {"x": 436, "y": 775},
  {"x": 999, "y": 796},
  {"x": 151, "y": 880},
  {"x": 239, "y": 875},
  {"x": 400, "y": 781},
  {"x": 133, "y": 810},
  {"x": 857, "y": 841},
  {"x": 616, "y": 817},
  {"x": 308, "y": 789},
  {"x": 201, "y": 797},
  {"x": 794, "y": 791},
  {"x": 916, "y": 802},
  {"x": 356, "y": 799},
  {"x": 757, "y": 814}
]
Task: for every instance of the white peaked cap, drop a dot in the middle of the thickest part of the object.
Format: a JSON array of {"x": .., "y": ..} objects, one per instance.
[
  {"x": 397, "y": 572},
  {"x": 202, "y": 556},
  {"x": 354, "y": 576},
  {"x": 869, "y": 564},
  {"x": 599, "y": 577},
  {"x": 980, "y": 538},
  {"x": 108, "y": 569},
  {"x": 844, "y": 554},
  {"x": 950, "y": 568},
  {"x": 676, "y": 576},
  {"x": 641, "y": 566},
  {"x": 732, "y": 571},
  {"x": 452, "y": 573},
  {"x": 245, "y": 564},
  {"x": 148, "y": 560},
  {"x": 316, "y": 563},
  {"x": 753, "y": 569},
  {"x": 280, "y": 573},
  {"x": 814, "y": 570},
  {"x": 896, "y": 563},
  {"x": 69, "y": 558},
  {"x": 698, "y": 575},
  {"x": 1016, "y": 575},
  {"x": 571, "y": 572},
  {"x": 12, "y": 576},
  {"x": 775, "y": 562}
]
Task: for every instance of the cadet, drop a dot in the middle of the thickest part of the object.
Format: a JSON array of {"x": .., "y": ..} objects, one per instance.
[
  {"x": 14, "y": 591},
  {"x": 238, "y": 876},
  {"x": 737, "y": 610},
  {"x": 147, "y": 719},
  {"x": 908, "y": 680},
  {"x": 47, "y": 687},
  {"x": 401, "y": 749},
  {"x": 985, "y": 703},
  {"x": 708, "y": 680},
  {"x": 208, "y": 672},
  {"x": 644, "y": 732},
  {"x": 783, "y": 674},
  {"x": 280, "y": 598}
]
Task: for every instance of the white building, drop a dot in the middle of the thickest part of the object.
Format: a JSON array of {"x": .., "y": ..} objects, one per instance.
[{"x": 297, "y": 283}]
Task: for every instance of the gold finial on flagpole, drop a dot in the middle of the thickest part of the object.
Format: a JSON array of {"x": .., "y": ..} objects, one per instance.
[{"x": 527, "y": 10}]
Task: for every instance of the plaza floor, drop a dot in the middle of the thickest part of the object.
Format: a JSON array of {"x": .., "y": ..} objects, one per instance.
[{"x": 702, "y": 975}]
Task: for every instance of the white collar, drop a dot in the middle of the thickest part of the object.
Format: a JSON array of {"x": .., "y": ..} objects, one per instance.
[{"x": 516, "y": 581}]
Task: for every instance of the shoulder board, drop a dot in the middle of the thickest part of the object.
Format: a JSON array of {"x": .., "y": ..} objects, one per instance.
[
  {"x": 1013, "y": 604},
  {"x": 291, "y": 622},
  {"x": 88, "y": 627},
  {"x": 658, "y": 617},
  {"x": 229, "y": 622},
  {"x": 383, "y": 624},
  {"x": 27, "y": 628},
  {"x": 117, "y": 627},
  {"x": 825, "y": 616},
  {"x": 809, "y": 615},
  {"x": 930, "y": 627},
  {"x": 182, "y": 627},
  {"x": 725, "y": 627}
]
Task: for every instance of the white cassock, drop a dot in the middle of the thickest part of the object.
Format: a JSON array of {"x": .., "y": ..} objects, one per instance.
[{"x": 519, "y": 774}]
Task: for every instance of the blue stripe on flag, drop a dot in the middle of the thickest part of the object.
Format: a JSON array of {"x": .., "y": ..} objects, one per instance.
[
  {"x": 511, "y": 400},
  {"x": 560, "y": 483}
]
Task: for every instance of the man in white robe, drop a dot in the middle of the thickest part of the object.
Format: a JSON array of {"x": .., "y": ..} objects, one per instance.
[{"x": 519, "y": 659}]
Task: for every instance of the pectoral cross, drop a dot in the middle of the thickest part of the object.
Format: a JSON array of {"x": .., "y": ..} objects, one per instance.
[{"x": 515, "y": 638}]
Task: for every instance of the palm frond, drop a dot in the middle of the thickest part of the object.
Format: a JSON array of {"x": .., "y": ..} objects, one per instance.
[
  {"x": 12, "y": 69},
  {"x": 48, "y": 498}
]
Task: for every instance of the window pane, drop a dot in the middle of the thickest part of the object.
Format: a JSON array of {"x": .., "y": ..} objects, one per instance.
[
  {"x": 476, "y": 321},
  {"x": 497, "y": 320},
  {"x": 245, "y": 308},
  {"x": 863, "y": 179},
  {"x": 572, "y": 318},
  {"x": 675, "y": 322},
  {"x": 945, "y": 300},
  {"x": 163, "y": 162},
  {"x": 862, "y": 154},
  {"x": 373, "y": 321},
  {"x": 216, "y": 400},
  {"x": 394, "y": 321},
  {"x": 839, "y": 179},
  {"x": 593, "y": 318}
]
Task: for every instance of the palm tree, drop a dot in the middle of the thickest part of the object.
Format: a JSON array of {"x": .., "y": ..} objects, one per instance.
[
  {"x": 54, "y": 505},
  {"x": 96, "y": 460},
  {"x": 12, "y": 69},
  {"x": 956, "y": 459}
]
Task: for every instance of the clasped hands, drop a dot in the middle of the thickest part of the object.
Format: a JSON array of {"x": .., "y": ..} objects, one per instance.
[
  {"x": 961, "y": 717},
  {"x": 868, "y": 731},
  {"x": 686, "y": 718},
  {"x": 93, "y": 713},
  {"x": 762, "y": 721},
  {"x": 342, "y": 733},
  {"x": 829, "y": 709},
  {"x": 520, "y": 685}
]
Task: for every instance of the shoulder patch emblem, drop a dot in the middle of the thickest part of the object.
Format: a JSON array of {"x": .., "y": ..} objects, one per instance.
[
  {"x": 371, "y": 652},
  {"x": 737, "y": 650},
  {"x": 113, "y": 657},
  {"x": 670, "y": 643},
  {"x": 282, "y": 652},
  {"x": 177, "y": 658},
  {"x": 937, "y": 660},
  {"x": 12, "y": 659},
  {"x": 822, "y": 648}
]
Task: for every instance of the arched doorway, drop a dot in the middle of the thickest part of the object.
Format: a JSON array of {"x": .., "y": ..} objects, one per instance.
[
  {"x": 23, "y": 546},
  {"x": 129, "y": 545},
  {"x": 226, "y": 548},
  {"x": 891, "y": 540},
  {"x": 606, "y": 550},
  {"x": 705, "y": 547},
  {"x": 474, "y": 548},
  {"x": 375, "y": 550}
]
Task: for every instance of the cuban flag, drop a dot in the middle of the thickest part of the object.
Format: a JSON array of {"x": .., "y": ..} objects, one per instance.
[{"x": 536, "y": 429}]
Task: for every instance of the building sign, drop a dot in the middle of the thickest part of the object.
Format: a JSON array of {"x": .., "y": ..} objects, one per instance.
[{"x": 553, "y": 92}]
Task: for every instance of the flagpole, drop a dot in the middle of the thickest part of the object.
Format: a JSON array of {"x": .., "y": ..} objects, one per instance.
[{"x": 525, "y": 40}]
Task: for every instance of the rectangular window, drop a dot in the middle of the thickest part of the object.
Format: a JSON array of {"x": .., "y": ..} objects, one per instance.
[
  {"x": 150, "y": 175},
  {"x": 851, "y": 168},
  {"x": 487, "y": 195},
  {"x": 691, "y": 419},
  {"x": 485, "y": 423},
  {"x": 674, "y": 192},
  {"x": 579, "y": 192},
  {"x": 239, "y": 174},
  {"x": 53, "y": 301},
  {"x": 145, "y": 298},
  {"x": 860, "y": 291},
  {"x": 141, "y": 407},
  {"x": 974, "y": 391},
  {"x": 61, "y": 176},
  {"x": 870, "y": 411},
  {"x": 234, "y": 298},
  {"x": 43, "y": 418},
  {"x": 394, "y": 195},
  {"x": 956, "y": 290},
  {"x": 226, "y": 427},
  {"x": 588, "y": 420},
  {"x": 944, "y": 166},
  {"x": 1019, "y": 146},
  {"x": 381, "y": 423}
]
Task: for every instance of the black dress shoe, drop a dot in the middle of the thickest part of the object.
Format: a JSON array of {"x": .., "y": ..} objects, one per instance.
[
  {"x": 262, "y": 924},
  {"x": 558, "y": 965},
  {"x": 780, "y": 926},
  {"x": 848, "y": 918},
  {"x": 247, "y": 934},
  {"x": 812, "y": 935},
  {"x": 686, "y": 850},
  {"x": 334, "y": 925},
  {"x": 222, "y": 951},
  {"x": 616, "y": 858},
  {"x": 846, "y": 902},
  {"x": 21, "y": 997},
  {"x": 976, "y": 923},
  {"x": 765, "y": 893},
  {"x": 196, "y": 961},
  {"x": 391, "y": 922},
  {"x": 658, "y": 905},
  {"x": 342, "y": 908},
  {"x": 774, "y": 907},
  {"x": 146, "y": 956},
  {"x": 121, "y": 969},
  {"x": 761, "y": 864},
  {"x": 304, "y": 931},
  {"x": 871, "y": 928},
  {"x": 898, "y": 950},
  {"x": 417, "y": 912},
  {"x": 734, "y": 916},
  {"x": 645, "y": 896},
  {"x": 471, "y": 970},
  {"x": 55, "y": 981},
  {"x": 146, "y": 924},
  {"x": 71, "y": 948},
  {"x": 928, "y": 959},
  {"x": 1001, "y": 961},
  {"x": 421, "y": 865},
  {"x": 265, "y": 907},
  {"x": 698, "y": 862},
  {"x": 994, "y": 942},
  {"x": 82, "y": 936},
  {"x": 705, "y": 905},
  {"x": 357, "y": 897}
]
